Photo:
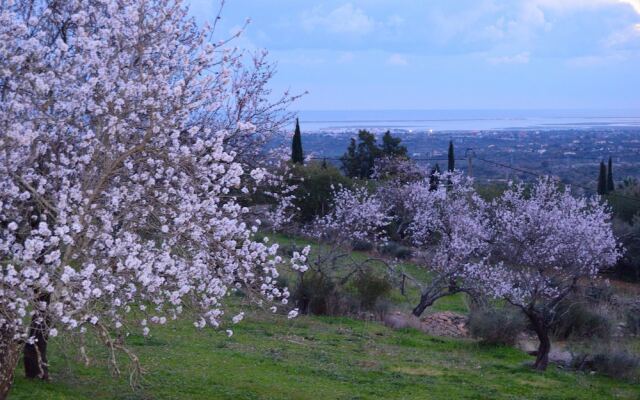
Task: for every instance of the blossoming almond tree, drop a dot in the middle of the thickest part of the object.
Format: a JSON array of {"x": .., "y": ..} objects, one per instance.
[
  {"x": 115, "y": 193},
  {"x": 545, "y": 241},
  {"x": 355, "y": 215},
  {"x": 450, "y": 224}
]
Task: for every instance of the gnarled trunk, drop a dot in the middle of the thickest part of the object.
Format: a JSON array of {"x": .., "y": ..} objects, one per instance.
[
  {"x": 542, "y": 355},
  {"x": 425, "y": 301},
  {"x": 35, "y": 351},
  {"x": 9, "y": 356}
]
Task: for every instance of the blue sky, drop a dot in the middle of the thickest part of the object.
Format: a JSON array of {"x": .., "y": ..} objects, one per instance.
[{"x": 445, "y": 54}]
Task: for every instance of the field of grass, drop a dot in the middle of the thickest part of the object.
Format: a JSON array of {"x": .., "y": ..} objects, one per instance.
[
  {"x": 312, "y": 357},
  {"x": 270, "y": 357}
]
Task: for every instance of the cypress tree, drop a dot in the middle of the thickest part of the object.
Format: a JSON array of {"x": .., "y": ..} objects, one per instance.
[
  {"x": 602, "y": 179},
  {"x": 297, "y": 156},
  {"x": 452, "y": 160},
  {"x": 434, "y": 178},
  {"x": 610, "y": 184}
]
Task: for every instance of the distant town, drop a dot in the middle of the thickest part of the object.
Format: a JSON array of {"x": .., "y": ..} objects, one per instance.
[{"x": 573, "y": 155}]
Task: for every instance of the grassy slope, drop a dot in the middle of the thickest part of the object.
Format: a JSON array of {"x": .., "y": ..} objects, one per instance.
[{"x": 270, "y": 357}]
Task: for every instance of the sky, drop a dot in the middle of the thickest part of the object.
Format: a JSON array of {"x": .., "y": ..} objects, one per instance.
[{"x": 444, "y": 54}]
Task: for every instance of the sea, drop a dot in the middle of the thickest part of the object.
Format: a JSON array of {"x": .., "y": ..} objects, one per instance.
[{"x": 466, "y": 120}]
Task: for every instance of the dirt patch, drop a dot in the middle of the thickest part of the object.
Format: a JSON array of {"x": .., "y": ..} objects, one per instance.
[{"x": 446, "y": 323}]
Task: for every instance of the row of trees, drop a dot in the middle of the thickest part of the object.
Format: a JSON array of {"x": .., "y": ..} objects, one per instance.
[
  {"x": 605, "y": 178},
  {"x": 530, "y": 247}
]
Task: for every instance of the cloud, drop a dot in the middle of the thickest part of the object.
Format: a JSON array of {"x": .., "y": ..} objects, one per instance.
[
  {"x": 635, "y": 4},
  {"x": 623, "y": 37},
  {"x": 345, "y": 19},
  {"x": 397, "y": 60},
  {"x": 520, "y": 58}
]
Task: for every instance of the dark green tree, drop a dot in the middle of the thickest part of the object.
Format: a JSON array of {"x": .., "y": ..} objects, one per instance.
[
  {"x": 602, "y": 179},
  {"x": 368, "y": 151},
  {"x": 297, "y": 157},
  {"x": 350, "y": 159},
  {"x": 359, "y": 160},
  {"x": 610, "y": 184},
  {"x": 391, "y": 146},
  {"x": 452, "y": 159},
  {"x": 434, "y": 178}
]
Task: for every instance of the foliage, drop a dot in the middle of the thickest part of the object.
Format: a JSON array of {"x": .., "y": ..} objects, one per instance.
[
  {"x": 579, "y": 320},
  {"x": 602, "y": 179},
  {"x": 626, "y": 201},
  {"x": 354, "y": 215},
  {"x": 315, "y": 187},
  {"x": 297, "y": 156},
  {"x": 396, "y": 250},
  {"x": 119, "y": 171},
  {"x": 371, "y": 288},
  {"x": 615, "y": 361},
  {"x": 544, "y": 243},
  {"x": 451, "y": 158},
  {"x": 360, "y": 158},
  {"x": 632, "y": 319},
  {"x": 610, "y": 183},
  {"x": 361, "y": 245},
  {"x": 496, "y": 325},
  {"x": 391, "y": 146},
  {"x": 628, "y": 266}
]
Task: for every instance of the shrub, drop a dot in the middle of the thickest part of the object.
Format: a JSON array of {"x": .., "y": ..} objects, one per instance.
[
  {"x": 600, "y": 293},
  {"x": 371, "y": 288},
  {"x": 615, "y": 362},
  {"x": 496, "y": 325},
  {"x": 316, "y": 185},
  {"x": 396, "y": 250},
  {"x": 632, "y": 315},
  {"x": 361, "y": 245},
  {"x": 575, "y": 320},
  {"x": 314, "y": 293}
]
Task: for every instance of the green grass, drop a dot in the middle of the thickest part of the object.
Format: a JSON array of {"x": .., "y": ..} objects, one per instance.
[{"x": 270, "y": 357}]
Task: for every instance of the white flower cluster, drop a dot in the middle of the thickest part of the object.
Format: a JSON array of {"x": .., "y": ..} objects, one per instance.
[
  {"x": 355, "y": 214},
  {"x": 115, "y": 192},
  {"x": 529, "y": 246}
]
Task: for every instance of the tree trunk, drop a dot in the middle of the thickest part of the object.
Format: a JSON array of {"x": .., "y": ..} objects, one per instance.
[
  {"x": 35, "y": 352},
  {"x": 9, "y": 356},
  {"x": 425, "y": 301},
  {"x": 542, "y": 355}
]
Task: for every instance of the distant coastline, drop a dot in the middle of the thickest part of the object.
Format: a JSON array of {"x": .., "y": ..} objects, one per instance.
[{"x": 465, "y": 120}]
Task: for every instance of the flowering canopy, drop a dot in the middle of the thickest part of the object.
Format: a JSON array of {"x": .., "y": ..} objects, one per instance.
[
  {"x": 355, "y": 214},
  {"x": 544, "y": 241},
  {"x": 114, "y": 190}
]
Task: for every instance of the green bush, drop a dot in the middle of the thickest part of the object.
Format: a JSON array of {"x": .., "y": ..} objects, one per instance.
[
  {"x": 316, "y": 185},
  {"x": 578, "y": 320},
  {"x": 632, "y": 316},
  {"x": 361, "y": 245},
  {"x": 315, "y": 293},
  {"x": 370, "y": 288},
  {"x": 396, "y": 250},
  {"x": 615, "y": 362},
  {"x": 496, "y": 325}
]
